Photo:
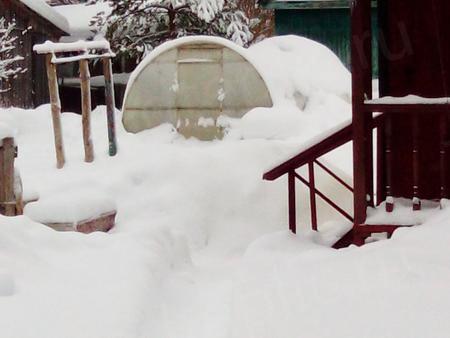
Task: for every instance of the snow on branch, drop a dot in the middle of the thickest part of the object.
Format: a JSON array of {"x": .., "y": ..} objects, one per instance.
[
  {"x": 136, "y": 27},
  {"x": 9, "y": 67}
]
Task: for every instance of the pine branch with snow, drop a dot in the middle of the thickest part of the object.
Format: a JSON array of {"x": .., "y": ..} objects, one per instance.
[
  {"x": 9, "y": 67},
  {"x": 135, "y": 27}
]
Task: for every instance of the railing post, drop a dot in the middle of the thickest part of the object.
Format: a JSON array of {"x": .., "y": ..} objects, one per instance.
[
  {"x": 312, "y": 196},
  {"x": 291, "y": 202}
]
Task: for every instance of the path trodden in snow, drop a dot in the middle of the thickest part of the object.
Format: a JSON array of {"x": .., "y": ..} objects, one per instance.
[{"x": 197, "y": 300}]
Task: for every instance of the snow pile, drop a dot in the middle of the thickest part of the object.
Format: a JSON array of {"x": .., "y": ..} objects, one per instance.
[
  {"x": 77, "y": 205},
  {"x": 70, "y": 285},
  {"x": 297, "y": 68},
  {"x": 199, "y": 248},
  {"x": 289, "y": 287},
  {"x": 311, "y": 90},
  {"x": 6, "y": 131}
]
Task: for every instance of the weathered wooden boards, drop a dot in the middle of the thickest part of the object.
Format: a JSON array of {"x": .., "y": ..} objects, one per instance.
[
  {"x": 10, "y": 204},
  {"x": 104, "y": 223},
  {"x": 83, "y": 48}
]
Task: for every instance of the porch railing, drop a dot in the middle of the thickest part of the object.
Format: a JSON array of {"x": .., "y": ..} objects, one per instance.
[{"x": 310, "y": 157}]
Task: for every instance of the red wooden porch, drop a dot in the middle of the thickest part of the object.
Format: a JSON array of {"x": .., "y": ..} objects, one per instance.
[{"x": 410, "y": 118}]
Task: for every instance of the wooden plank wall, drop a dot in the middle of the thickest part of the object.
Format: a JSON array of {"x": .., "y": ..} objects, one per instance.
[{"x": 30, "y": 89}]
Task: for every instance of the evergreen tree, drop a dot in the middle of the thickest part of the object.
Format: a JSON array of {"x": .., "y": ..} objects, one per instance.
[{"x": 136, "y": 27}]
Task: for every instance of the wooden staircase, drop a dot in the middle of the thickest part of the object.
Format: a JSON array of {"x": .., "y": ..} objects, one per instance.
[{"x": 310, "y": 157}]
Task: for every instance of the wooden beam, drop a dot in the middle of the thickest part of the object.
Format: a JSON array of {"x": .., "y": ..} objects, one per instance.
[
  {"x": 423, "y": 108},
  {"x": 56, "y": 111},
  {"x": 86, "y": 110}
]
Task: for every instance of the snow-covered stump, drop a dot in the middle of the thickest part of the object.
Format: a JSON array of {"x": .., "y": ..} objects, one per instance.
[{"x": 81, "y": 211}]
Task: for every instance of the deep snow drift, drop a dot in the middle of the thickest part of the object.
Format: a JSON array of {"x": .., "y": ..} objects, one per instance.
[{"x": 200, "y": 247}]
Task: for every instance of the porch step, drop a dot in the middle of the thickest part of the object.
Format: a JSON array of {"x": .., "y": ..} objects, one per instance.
[{"x": 359, "y": 233}]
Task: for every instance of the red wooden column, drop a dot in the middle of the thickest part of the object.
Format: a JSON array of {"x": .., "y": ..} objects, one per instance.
[
  {"x": 443, "y": 153},
  {"x": 416, "y": 162},
  {"x": 361, "y": 66}
]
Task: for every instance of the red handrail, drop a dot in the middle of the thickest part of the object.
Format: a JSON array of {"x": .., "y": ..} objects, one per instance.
[{"x": 310, "y": 156}]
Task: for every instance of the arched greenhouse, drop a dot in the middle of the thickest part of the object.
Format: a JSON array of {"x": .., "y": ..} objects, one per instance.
[{"x": 190, "y": 82}]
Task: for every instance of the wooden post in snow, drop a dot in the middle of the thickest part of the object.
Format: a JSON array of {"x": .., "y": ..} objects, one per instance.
[
  {"x": 110, "y": 105},
  {"x": 86, "y": 110},
  {"x": 56, "y": 110},
  {"x": 7, "y": 198}
]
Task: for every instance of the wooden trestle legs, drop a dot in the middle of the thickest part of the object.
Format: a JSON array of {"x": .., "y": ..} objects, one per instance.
[{"x": 84, "y": 53}]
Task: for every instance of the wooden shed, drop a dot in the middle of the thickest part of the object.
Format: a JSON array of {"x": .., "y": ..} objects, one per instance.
[
  {"x": 30, "y": 89},
  {"x": 411, "y": 119},
  {"x": 325, "y": 21}
]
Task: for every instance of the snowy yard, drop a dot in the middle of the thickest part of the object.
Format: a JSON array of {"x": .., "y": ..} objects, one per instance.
[{"x": 200, "y": 248}]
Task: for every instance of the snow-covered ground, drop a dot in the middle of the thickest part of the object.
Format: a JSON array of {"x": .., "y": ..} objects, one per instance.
[{"x": 200, "y": 248}]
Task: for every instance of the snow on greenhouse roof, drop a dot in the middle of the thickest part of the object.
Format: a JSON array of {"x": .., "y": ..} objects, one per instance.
[
  {"x": 41, "y": 8},
  {"x": 80, "y": 16}
]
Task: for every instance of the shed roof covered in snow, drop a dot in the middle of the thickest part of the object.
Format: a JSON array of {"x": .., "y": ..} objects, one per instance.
[
  {"x": 44, "y": 10},
  {"x": 80, "y": 16},
  {"x": 190, "y": 82}
]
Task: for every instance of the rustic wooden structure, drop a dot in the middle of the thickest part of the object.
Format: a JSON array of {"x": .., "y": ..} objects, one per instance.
[
  {"x": 81, "y": 52},
  {"x": 11, "y": 203},
  {"x": 412, "y": 143},
  {"x": 30, "y": 89}
]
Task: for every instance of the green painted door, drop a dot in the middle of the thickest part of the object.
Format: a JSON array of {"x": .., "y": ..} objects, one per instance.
[{"x": 330, "y": 27}]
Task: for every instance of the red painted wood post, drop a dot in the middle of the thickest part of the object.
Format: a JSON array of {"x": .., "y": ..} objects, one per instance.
[
  {"x": 416, "y": 159},
  {"x": 361, "y": 65},
  {"x": 443, "y": 125},
  {"x": 381, "y": 192},
  {"x": 388, "y": 163},
  {"x": 312, "y": 196},
  {"x": 291, "y": 202},
  {"x": 110, "y": 105}
]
